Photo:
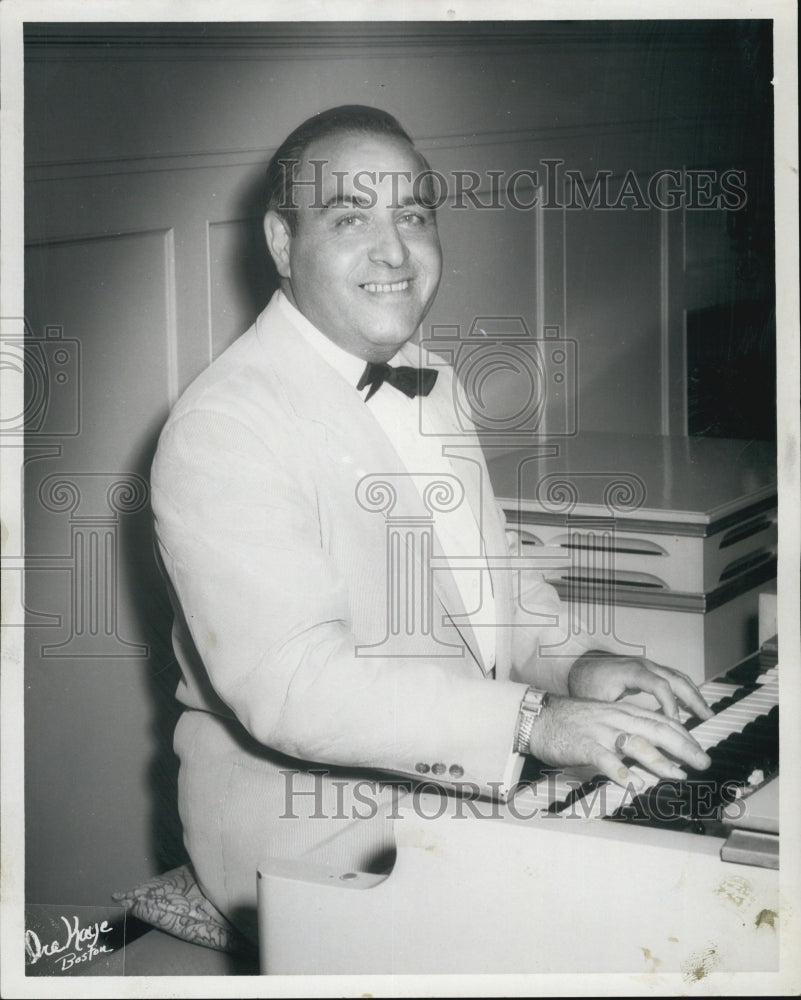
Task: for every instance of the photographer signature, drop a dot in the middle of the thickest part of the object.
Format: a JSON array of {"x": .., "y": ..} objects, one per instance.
[{"x": 81, "y": 944}]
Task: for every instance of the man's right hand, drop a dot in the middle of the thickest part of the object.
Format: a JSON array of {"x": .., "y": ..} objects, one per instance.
[{"x": 578, "y": 732}]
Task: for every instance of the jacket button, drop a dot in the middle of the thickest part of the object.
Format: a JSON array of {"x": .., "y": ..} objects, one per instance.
[
  {"x": 422, "y": 768},
  {"x": 456, "y": 770},
  {"x": 439, "y": 768}
]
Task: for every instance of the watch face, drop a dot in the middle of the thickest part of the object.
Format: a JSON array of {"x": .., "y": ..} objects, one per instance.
[{"x": 533, "y": 701}]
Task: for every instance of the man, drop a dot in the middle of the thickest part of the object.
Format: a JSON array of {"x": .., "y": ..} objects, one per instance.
[{"x": 276, "y": 480}]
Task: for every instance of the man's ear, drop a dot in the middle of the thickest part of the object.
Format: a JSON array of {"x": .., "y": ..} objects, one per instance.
[{"x": 279, "y": 240}]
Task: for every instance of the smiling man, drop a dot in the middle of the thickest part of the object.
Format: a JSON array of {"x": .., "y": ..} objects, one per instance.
[
  {"x": 313, "y": 694},
  {"x": 360, "y": 256}
]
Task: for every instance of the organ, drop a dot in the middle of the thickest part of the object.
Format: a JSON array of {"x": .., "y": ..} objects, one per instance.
[
  {"x": 572, "y": 875},
  {"x": 667, "y": 541}
]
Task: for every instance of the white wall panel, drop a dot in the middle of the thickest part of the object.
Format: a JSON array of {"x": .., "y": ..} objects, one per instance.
[{"x": 93, "y": 727}]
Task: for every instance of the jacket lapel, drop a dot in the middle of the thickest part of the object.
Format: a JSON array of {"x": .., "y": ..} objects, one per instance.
[
  {"x": 465, "y": 451},
  {"x": 320, "y": 395}
]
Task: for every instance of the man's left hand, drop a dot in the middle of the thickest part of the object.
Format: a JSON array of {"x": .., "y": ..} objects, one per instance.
[{"x": 608, "y": 677}]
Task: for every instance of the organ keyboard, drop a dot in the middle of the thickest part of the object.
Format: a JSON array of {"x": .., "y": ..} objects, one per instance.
[
  {"x": 742, "y": 738},
  {"x": 574, "y": 874}
]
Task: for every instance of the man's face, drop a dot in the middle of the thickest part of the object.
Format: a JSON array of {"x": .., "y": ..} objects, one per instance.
[{"x": 364, "y": 263}]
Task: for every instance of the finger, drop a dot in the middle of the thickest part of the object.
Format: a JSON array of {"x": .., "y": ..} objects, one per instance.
[
  {"x": 687, "y": 692},
  {"x": 649, "y": 715},
  {"x": 655, "y": 684},
  {"x": 677, "y": 742},
  {"x": 646, "y": 753},
  {"x": 610, "y": 765}
]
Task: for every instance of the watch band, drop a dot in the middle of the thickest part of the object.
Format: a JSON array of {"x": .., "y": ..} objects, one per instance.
[{"x": 530, "y": 709}]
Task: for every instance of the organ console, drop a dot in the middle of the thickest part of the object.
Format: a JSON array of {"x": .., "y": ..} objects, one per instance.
[
  {"x": 668, "y": 540},
  {"x": 671, "y": 539},
  {"x": 573, "y": 874}
]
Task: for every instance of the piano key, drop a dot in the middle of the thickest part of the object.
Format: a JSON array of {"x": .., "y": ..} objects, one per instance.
[
  {"x": 749, "y": 670},
  {"x": 753, "y": 719},
  {"x": 719, "y": 695},
  {"x": 731, "y": 768}
]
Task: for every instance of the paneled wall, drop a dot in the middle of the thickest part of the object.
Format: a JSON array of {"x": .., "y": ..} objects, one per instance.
[{"x": 145, "y": 149}]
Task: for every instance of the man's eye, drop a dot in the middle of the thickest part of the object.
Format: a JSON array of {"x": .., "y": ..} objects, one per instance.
[
  {"x": 348, "y": 221},
  {"x": 414, "y": 218}
]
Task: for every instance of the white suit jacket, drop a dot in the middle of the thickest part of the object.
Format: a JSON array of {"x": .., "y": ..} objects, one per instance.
[{"x": 279, "y": 563}]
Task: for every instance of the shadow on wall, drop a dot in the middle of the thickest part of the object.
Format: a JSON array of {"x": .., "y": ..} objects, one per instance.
[
  {"x": 243, "y": 277},
  {"x": 254, "y": 278},
  {"x": 152, "y": 615}
]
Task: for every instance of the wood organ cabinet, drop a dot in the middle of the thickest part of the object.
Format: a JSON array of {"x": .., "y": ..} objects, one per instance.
[{"x": 668, "y": 541}]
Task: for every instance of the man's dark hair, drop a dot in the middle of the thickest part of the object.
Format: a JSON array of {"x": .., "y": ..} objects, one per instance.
[{"x": 356, "y": 119}]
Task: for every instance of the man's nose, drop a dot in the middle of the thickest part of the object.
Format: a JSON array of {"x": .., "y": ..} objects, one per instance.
[{"x": 388, "y": 246}]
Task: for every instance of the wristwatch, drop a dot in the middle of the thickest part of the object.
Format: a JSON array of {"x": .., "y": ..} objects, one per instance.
[{"x": 530, "y": 709}]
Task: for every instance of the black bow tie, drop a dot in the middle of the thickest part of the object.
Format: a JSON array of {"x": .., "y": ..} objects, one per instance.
[{"x": 411, "y": 381}]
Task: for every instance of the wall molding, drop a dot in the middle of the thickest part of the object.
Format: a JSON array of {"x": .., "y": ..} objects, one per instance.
[
  {"x": 286, "y": 39},
  {"x": 46, "y": 242},
  {"x": 171, "y": 316},
  {"x": 195, "y": 159}
]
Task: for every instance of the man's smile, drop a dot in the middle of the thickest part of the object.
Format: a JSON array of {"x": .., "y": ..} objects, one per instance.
[{"x": 383, "y": 288}]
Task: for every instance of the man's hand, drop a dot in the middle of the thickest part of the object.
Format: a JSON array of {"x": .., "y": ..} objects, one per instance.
[
  {"x": 607, "y": 677},
  {"x": 578, "y": 732}
]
